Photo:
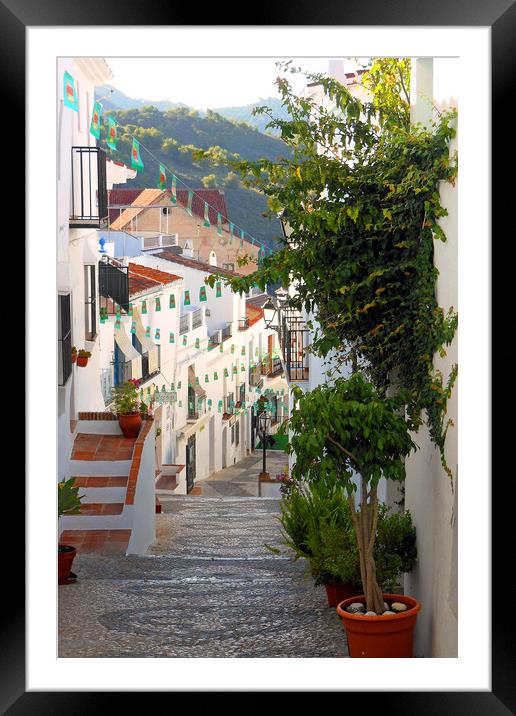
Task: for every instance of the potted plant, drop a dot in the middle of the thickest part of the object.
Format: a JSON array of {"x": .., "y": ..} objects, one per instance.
[
  {"x": 351, "y": 431},
  {"x": 128, "y": 407},
  {"x": 74, "y": 354},
  {"x": 68, "y": 503},
  {"x": 83, "y": 357}
]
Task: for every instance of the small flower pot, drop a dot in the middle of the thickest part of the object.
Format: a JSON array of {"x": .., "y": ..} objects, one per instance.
[
  {"x": 380, "y": 637},
  {"x": 336, "y": 592},
  {"x": 130, "y": 424},
  {"x": 74, "y": 357},
  {"x": 65, "y": 557},
  {"x": 82, "y": 362}
]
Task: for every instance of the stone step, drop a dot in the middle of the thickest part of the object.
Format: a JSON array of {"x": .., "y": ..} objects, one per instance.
[
  {"x": 101, "y": 481},
  {"x": 101, "y": 508}
]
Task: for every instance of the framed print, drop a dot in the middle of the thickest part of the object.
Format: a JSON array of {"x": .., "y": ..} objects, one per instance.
[{"x": 169, "y": 483}]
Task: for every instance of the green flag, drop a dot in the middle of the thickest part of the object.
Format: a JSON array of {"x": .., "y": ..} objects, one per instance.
[
  {"x": 95, "y": 120},
  {"x": 162, "y": 180},
  {"x": 187, "y": 298},
  {"x": 173, "y": 197},
  {"x": 158, "y": 304},
  {"x": 231, "y": 231},
  {"x": 189, "y": 205},
  {"x": 136, "y": 162},
  {"x": 241, "y": 237},
  {"x": 111, "y": 133},
  {"x": 171, "y": 340},
  {"x": 172, "y": 302},
  {"x": 206, "y": 215},
  {"x": 218, "y": 289},
  {"x": 219, "y": 224},
  {"x": 69, "y": 92},
  {"x": 202, "y": 293}
]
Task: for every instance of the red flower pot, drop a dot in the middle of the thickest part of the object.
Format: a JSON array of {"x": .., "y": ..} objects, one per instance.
[
  {"x": 74, "y": 357},
  {"x": 82, "y": 362},
  {"x": 130, "y": 424},
  {"x": 380, "y": 637},
  {"x": 336, "y": 592},
  {"x": 65, "y": 557}
]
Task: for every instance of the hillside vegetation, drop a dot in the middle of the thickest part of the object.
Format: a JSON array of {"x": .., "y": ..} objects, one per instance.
[{"x": 172, "y": 135}]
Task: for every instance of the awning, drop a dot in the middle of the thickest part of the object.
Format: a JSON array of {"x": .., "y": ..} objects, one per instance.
[
  {"x": 131, "y": 354},
  {"x": 200, "y": 392},
  {"x": 146, "y": 343}
]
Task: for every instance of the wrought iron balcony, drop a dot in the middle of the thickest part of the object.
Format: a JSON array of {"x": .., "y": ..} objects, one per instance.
[
  {"x": 184, "y": 324},
  {"x": 295, "y": 340},
  {"x": 89, "y": 196},
  {"x": 226, "y": 332},
  {"x": 197, "y": 318},
  {"x": 243, "y": 324},
  {"x": 113, "y": 285}
]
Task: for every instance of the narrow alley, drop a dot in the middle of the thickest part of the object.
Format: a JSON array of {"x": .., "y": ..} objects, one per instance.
[{"x": 208, "y": 587}]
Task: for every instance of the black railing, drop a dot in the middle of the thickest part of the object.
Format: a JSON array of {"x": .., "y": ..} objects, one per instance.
[
  {"x": 243, "y": 324},
  {"x": 255, "y": 377},
  {"x": 197, "y": 318},
  {"x": 184, "y": 324},
  {"x": 295, "y": 337},
  {"x": 89, "y": 196},
  {"x": 113, "y": 285},
  {"x": 226, "y": 332}
]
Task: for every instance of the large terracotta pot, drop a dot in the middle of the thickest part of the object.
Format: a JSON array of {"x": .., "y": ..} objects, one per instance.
[
  {"x": 336, "y": 592},
  {"x": 82, "y": 362},
  {"x": 380, "y": 637},
  {"x": 65, "y": 557},
  {"x": 130, "y": 424}
]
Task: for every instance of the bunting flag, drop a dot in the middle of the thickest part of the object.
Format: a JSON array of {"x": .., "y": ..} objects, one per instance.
[
  {"x": 179, "y": 385},
  {"x": 220, "y": 406},
  {"x": 144, "y": 307},
  {"x": 147, "y": 332},
  {"x": 117, "y": 321},
  {"x": 187, "y": 298},
  {"x": 111, "y": 133},
  {"x": 172, "y": 301},
  {"x": 242, "y": 352},
  {"x": 206, "y": 378},
  {"x": 130, "y": 310},
  {"x": 157, "y": 335},
  {"x": 95, "y": 120},
  {"x": 189, "y": 205},
  {"x": 219, "y": 224},
  {"x": 241, "y": 238},
  {"x": 158, "y": 304},
  {"x": 226, "y": 373},
  {"x": 184, "y": 340},
  {"x": 234, "y": 370},
  {"x": 206, "y": 215},
  {"x": 209, "y": 403},
  {"x": 197, "y": 343},
  {"x": 133, "y": 327},
  {"x": 162, "y": 178},
  {"x": 221, "y": 348},
  {"x": 171, "y": 339},
  {"x": 103, "y": 315},
  {"x": 136, "y": 162},
  {"x": 242, "y": 369},
  {"x": 69, "y": 92},
  {"x": 173, "y": 196},
  {"x": 218, "y": 289},
  {"x": 232, "y": 348},
  {"x": 215, "y": 376},
  {"x": 202, "y": 293},
  {"x": 231, "y": 230}
]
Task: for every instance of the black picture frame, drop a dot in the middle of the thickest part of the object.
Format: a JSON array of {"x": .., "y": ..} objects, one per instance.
[{"x": 500, "y": 16}]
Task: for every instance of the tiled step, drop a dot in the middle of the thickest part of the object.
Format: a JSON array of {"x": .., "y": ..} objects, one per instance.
[
  {"x": 98, "y": 481},
  {"x": 108, "y": 542},
  {"x": 101, "y": 508},
  {"x": 99, "y": 447}
]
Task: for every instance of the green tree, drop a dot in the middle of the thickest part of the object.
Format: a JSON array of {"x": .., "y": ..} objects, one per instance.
[{"x": 361, "y": 194}]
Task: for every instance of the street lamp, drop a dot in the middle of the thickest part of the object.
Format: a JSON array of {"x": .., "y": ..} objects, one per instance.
[
  {"x": 270, "y": 315},
  {"x": 263, "y": 421}
]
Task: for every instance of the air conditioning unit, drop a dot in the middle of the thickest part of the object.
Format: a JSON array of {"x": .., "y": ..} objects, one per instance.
[{"x": 169, "y": 240}]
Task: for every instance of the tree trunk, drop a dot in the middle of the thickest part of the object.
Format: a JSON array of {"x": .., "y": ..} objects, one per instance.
[{"x": 365, "y": 523}]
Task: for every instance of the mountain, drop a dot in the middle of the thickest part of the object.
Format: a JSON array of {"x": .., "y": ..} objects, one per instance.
[
  {"x": 114, "y": 99},
  {"x": 170, "y": 136}
]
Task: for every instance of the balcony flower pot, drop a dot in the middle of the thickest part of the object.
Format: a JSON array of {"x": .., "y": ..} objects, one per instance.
[
  {"x": 130, "y": 424},
  {"x": 380, "y": 637},
  {"x": 82, "y": 358},
  {"x": 74, "y": 354},
  {"x": 65, "y": 557},
  {"x": 337, "y": 592}
]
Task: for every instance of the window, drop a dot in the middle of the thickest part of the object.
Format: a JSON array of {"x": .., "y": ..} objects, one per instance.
[
  {"x": 90, "y": 303},
  {"x": 228, "y": 267},
  {"x": 232, "y": 435},
  {"x": 242, "y": 393},
  {"x": 165, "y": 210},
  {"x": 64, "y": 338},
  {"x": 237, "y": 432}
]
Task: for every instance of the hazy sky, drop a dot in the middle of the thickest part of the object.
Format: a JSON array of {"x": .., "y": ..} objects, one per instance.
[{"x": 204, "y": 83}]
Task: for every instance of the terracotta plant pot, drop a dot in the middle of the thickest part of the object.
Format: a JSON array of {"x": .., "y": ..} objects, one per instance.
[
  {"x": 380, "y": 637},
  {"x": 82, "y": 362},
  {"x": 65, "y": 557},
  {"x": 74, "y": 357},
  {"x": 336, "y": 592},
  {"x": 130, "y": 424}
]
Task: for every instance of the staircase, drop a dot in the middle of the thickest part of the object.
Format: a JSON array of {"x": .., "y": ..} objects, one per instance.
[{"x": 102, "y": 462}]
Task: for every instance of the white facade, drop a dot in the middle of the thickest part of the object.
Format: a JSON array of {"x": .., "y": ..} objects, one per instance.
[{"x": 430, "y": 495}]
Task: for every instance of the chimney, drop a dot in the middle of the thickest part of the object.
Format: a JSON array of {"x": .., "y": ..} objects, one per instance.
[
  {"x": 213, "y": 258},
  {"x": 188, "y": 251}
]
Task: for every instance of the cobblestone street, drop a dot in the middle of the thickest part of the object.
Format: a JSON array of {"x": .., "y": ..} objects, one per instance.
[{"x": 207, "y": 588}]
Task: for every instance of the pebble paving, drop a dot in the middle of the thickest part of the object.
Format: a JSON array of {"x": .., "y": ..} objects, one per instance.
[{"x": 208, "y": 587}]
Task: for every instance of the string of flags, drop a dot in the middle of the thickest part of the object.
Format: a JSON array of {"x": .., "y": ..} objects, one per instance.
[{"x": 70, "y": 100}]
